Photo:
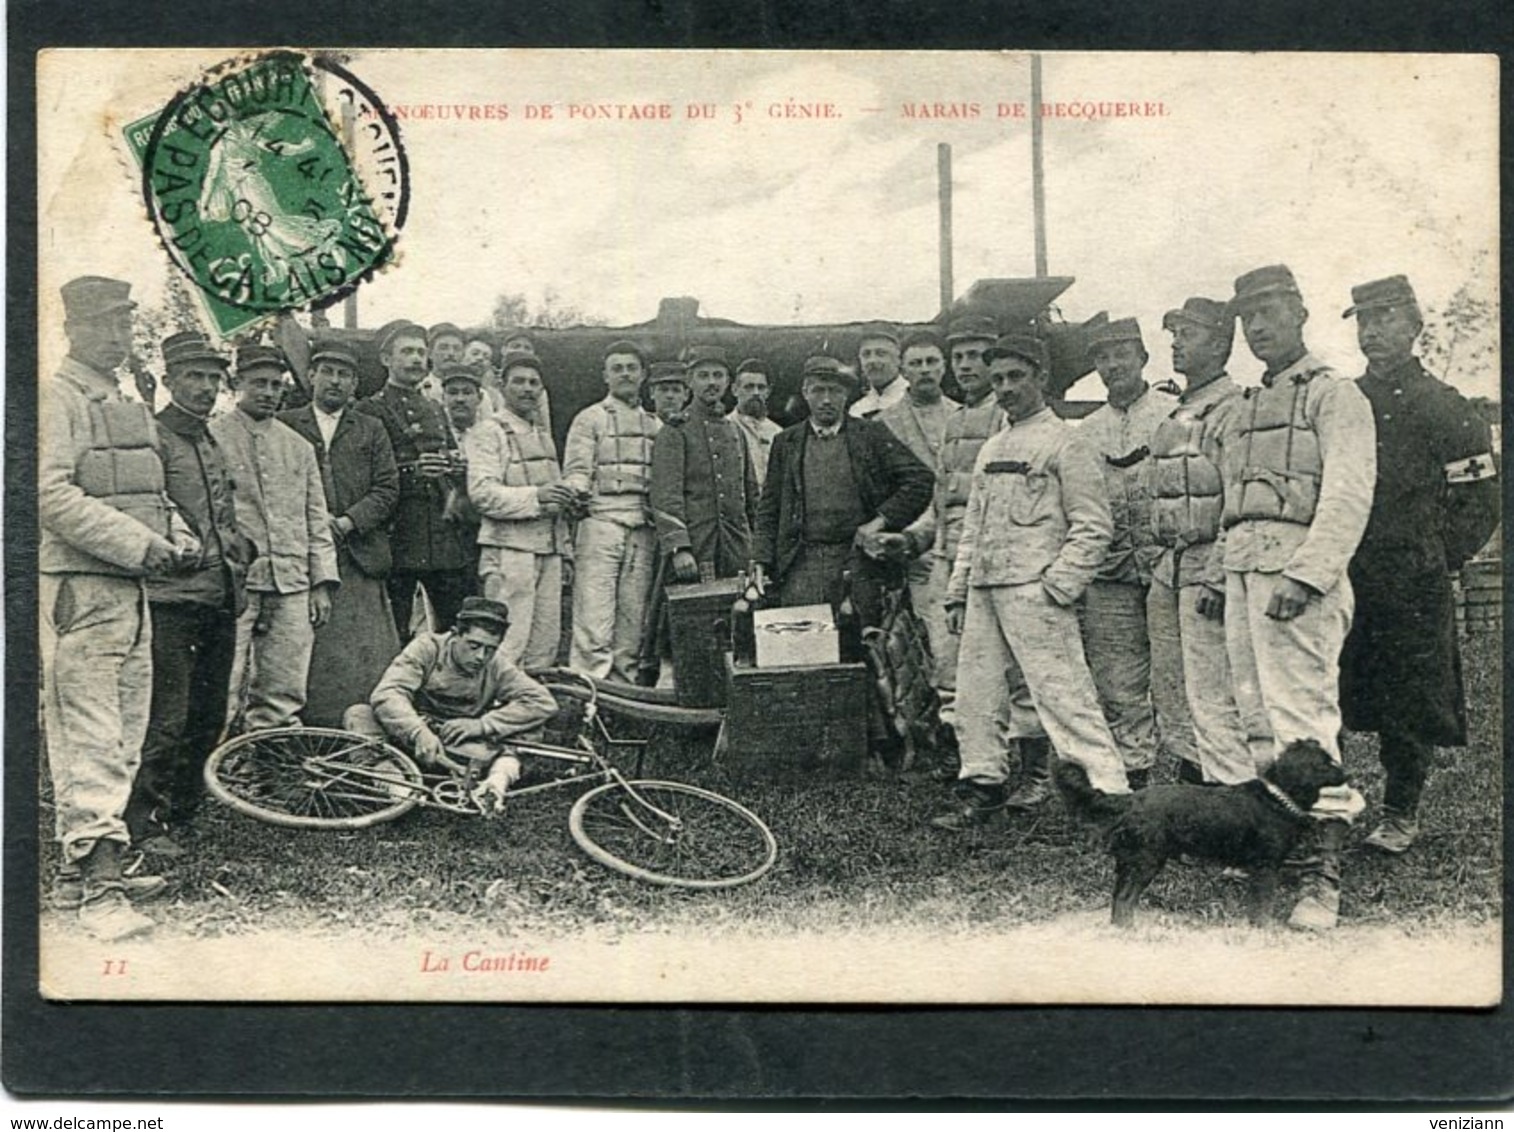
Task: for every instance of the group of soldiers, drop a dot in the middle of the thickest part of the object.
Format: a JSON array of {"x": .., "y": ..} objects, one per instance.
[{"x": 1175, "y": 574}]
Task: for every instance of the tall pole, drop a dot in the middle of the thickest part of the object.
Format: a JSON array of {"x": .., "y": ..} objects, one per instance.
[
  {"x": 944, "y": 183},
  {"x": 1037, "y": 166},
  {"x": 349, "y": 131}
]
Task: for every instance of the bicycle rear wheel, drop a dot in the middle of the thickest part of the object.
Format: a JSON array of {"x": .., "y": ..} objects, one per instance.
[
  {"x": 671, "y": 834},
  {"x": 314, "y": 778}
]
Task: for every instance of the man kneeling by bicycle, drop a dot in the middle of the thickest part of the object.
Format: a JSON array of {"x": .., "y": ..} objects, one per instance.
[{"x": 452, "y": 699}]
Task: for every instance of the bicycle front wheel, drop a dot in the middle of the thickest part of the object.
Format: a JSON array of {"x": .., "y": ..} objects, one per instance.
[
  {"x": 314, "y": 778},
  {"x": 671, "y": 834}
]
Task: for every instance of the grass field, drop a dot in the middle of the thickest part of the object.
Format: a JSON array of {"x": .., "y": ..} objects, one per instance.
[{"x": 855, "y": 854}]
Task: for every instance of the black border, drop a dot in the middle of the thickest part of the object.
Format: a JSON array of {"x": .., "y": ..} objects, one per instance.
[{"x": 1089, "y": 1057}]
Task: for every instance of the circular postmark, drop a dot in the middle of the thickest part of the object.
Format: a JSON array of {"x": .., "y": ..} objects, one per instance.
[{"x": 276, "y": 183}]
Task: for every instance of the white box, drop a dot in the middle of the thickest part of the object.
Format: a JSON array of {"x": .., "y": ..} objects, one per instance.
[{"x": 796, "y": 637}]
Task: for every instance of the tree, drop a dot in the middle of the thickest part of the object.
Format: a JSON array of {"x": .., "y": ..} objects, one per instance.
[
  {"x": 1461, "y": 339},
  {"x": 512, "y": 310}
]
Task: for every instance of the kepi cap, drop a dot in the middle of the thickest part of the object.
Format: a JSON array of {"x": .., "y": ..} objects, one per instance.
[
  {"x": 520, "y": 358},
  {"x": 706, "y": 355},
  {"x": 90, "y": 296},
  {"x": 260, "y": 357},
  {"x": 330, "y": 350},
  {"x": 1393, "y": 291},
  {"x": 401, "y": 328},
  {"x": 1019, "y": 345},
  {"x": 823, "y": 367},
  {"x": 1208, "y": 313},
  {"x": 1274, "y": 279},
  {"x": 663, "y": 372},
  {"x": 970, "y": 327},
  {"x": 753, "y": 365},
  {"x": 444, "y": 330},
  {"x": 626, "y": 346},
  {"x": 456, "y": 371},
  {"x": 191, "y": 346},
  {"x": 1117, "y": 330},
  {"x": 884, "y": 330},
  {"x": 484, "y": 611}
]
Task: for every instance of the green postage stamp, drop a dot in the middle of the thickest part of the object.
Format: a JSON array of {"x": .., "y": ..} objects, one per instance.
[{"x": 276, "y": 183}]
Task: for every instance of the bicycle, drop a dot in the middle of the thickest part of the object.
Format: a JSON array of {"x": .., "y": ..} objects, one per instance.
[{"x": 661, "y": 832}]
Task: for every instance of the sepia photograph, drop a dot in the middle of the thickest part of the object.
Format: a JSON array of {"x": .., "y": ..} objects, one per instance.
[{"x": 736, "y": 526}]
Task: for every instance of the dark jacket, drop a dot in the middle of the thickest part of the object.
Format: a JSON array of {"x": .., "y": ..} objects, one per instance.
[
  {"x": 197, "y": 480},
  {"x": 361, "y": 482},
  {"x": 890, "y": 481},
  {"x": 422, "y": 536},
  {"x": 1435, "y": 503}
]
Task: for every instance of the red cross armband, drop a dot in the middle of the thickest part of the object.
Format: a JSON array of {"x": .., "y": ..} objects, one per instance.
[{"x": 1471, "y": 469}]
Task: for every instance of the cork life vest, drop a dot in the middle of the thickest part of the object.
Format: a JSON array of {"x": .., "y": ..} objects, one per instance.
[
  {"x": 1273, "y": 466},
  {"x": 121, "y": 466},
  {"x": 532, "y": 459},
  {"x": 623, "y": 454},
  {"x": 1187, "y": 492},
  {"x": 967, "y": 431}
]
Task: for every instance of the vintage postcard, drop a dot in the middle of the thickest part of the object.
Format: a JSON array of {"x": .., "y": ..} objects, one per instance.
[{"x": 769, "y": 527}]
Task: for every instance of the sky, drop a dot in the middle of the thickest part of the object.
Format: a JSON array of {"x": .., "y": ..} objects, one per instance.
[{"x": 1347, "y": 168}]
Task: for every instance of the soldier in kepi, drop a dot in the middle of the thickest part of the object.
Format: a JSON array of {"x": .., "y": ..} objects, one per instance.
[
  {"x": 1298, "y": 459},
  {"x": 194, "y": 610},
  {"x": 1436, "y": 504},
  {"x": 1116, "y": 635},
  {"x": 1185, "y": 606},
  {"x": 967, "y": 429},
  {"x": 878, "y": 362},
  {"x": 1036, "y": 529},
  {"x": 608, "y": 461},
  {"x": 105, "y": 526},
  {"x": 429, "y": 546}
]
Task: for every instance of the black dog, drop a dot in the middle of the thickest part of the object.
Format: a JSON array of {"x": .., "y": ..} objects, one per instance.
[{"x": 1254, "y": 825}]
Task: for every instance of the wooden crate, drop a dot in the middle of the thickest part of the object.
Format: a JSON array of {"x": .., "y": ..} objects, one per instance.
[
  {"x": 795, "y": 723},
  {"x": 699, "y": 631}
]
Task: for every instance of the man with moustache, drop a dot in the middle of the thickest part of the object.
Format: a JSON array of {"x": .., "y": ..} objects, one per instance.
[
  {"x": 281, "y": 506},
  {"x": 444, "y": 347},
  {"x": 104, "y": 527},
  {"x": 1298, "y": 457},
  {"x": 1036, "y": 530},
  {"x": 704, "y": 490},
  {"x": 967, "y": 429},
  {"x": 430, "y": 547},
  {"x": 919, "y": 420},
  {"x": 834, "y": 483},
  {"x": 1116, "y": 636},
  {"x": 1435, "y": 504},
  {"x": 194, "y": 610},
  {"x": 608, "y": 460},
  {"x": 878, "y": 362},
  {"x": 516, "y": 483},
  {"x": 1185, "y": 605},
  {"x": 750, "y": 415},
  {"x": 362, "y": 487}
]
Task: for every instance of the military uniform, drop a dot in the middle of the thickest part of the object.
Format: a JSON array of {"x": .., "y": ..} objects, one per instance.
[
  {"x": 194, "y": 615},
  {"x": 1036, "y": 528},
  {"x": 609, "y": 454},
  {"x": 521, "y": 545},
  {"x": 1436, "y": 504},
  {"x": 430, "y": 548},
  {"x": 704, "y": 493},
  {"x": 1187, "y": 496},
  {"x": 1116, "y": 633},
  {"x": 101, "y": 506},
  {"x": 281, "y": 506}
]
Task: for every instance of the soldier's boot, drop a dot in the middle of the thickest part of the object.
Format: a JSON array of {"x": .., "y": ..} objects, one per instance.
[
  {"x": 1319, "y": 902},
  {"x": 1397, "y": 831},
  {"x": 1035, "y": 787},
  {"x": 68, "y": 888},
  {"x": 105, "y": 912},
  {"x": 973, "y": 804}
]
